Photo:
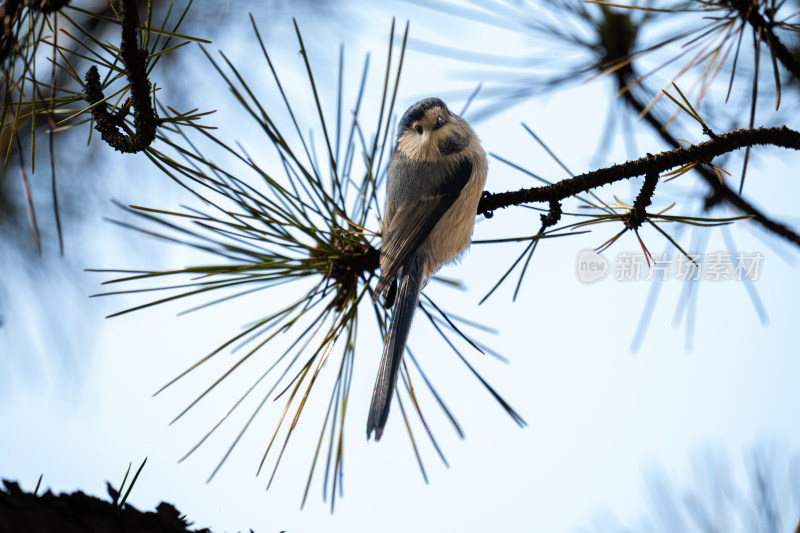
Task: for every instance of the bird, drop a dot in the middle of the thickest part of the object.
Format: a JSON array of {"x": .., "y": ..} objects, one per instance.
[{"x": 435, "y": 180}]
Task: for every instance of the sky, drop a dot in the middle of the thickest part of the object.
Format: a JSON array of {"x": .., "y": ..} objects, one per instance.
[{"x": 602, "y": 419}]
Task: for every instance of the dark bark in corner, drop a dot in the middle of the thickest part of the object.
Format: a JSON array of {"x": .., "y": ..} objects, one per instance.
[{"x": 79, "y": 513}]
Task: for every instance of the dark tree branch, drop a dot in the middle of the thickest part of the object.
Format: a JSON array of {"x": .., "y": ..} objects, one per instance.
[
  {"x": 704, "y": 152},
  {"x": 636, "y": 216},
  {"x": 144, "y": 119},
  {"x": 778, "y": 136},
  {"x": 720, "y": 191}
]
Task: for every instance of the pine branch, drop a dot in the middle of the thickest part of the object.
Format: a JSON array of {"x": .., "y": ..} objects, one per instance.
[{"x": 778, "y": 136}]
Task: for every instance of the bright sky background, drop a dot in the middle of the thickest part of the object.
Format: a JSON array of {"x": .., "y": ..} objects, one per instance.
[{"x": 599, "y": 416}]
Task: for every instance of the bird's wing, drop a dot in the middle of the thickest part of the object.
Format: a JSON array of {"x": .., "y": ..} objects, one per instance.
[{"x": 411, "y": 223}]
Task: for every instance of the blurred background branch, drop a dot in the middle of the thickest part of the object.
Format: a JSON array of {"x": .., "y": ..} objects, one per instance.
[{"x": 763, "y": 494}]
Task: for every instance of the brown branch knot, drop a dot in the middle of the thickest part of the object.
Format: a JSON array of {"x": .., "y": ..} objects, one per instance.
[{"x": 553, "y": 215}]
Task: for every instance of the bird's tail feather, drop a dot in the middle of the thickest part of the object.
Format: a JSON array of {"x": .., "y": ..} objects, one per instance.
[{"x": 394, "y": 346}]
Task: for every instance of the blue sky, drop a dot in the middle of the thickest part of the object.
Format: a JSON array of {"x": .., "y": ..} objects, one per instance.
[{"x": 599, "y": 416}]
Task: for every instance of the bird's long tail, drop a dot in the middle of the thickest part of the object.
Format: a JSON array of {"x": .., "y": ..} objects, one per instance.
[{"x": 394, "y": 346}]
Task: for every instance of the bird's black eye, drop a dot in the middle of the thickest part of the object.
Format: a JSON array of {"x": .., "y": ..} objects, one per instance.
[
  {"x": 439, "y": 122},
  {"x": 419, "y": 129}
]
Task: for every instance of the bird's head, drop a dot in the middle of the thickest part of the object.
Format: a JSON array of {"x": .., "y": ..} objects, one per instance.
[{"x": 429, "y": 131}]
